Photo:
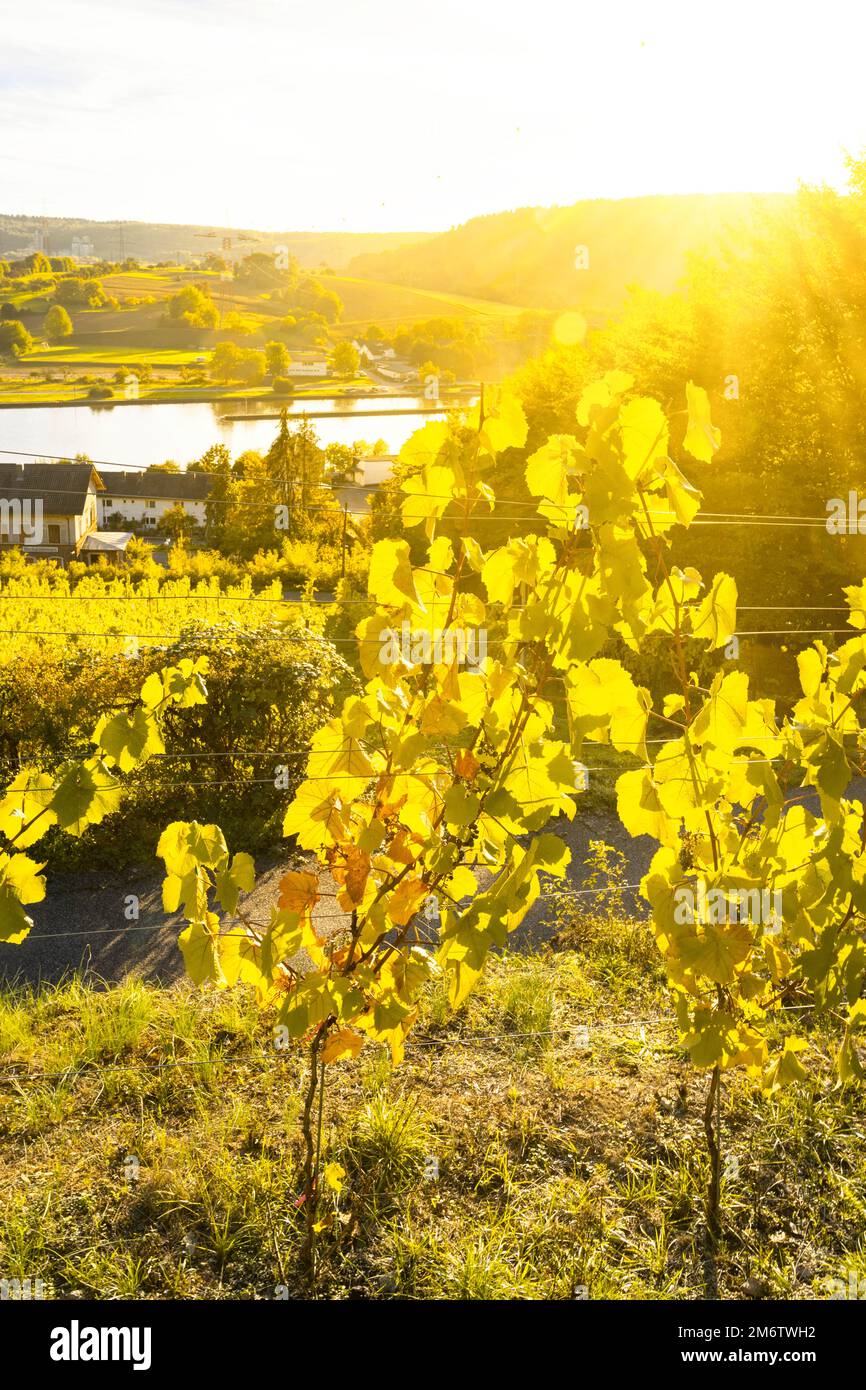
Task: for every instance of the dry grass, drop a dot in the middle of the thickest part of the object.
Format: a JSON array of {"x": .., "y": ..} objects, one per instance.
[{"x": 149, "y": 1148}]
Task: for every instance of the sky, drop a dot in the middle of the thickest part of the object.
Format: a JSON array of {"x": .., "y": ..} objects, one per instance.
[{"x": 410, "y": 116}]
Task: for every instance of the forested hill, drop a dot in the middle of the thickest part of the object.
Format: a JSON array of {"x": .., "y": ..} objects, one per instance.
[
  {"x": 167, "y": 241},
  {"x": 534, "y": 256}
]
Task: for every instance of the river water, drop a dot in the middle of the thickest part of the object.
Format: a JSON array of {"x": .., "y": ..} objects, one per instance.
[{"x": 133, "y": 436}]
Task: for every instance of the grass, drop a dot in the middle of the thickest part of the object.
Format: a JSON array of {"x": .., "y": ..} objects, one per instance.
[
  {"x": 106, "y": 339},
  {"x": 544, "y": 1142},
  {"x": 119, "y": 356},
  {"x": 379, "y": 301}
]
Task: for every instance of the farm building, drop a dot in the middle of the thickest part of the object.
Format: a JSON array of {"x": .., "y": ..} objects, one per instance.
[{"x": 51, "y": 511}]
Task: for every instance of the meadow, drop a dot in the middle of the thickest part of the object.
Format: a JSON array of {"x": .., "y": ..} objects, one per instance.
[{"x": 546, "y": 1141}]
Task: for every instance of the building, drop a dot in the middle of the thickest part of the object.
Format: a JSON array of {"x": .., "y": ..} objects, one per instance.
[
  {"x": 371, "y": 472},
  {"x": 312, "y": 367},
  {"x": 396, "y": 369},
  {"x": 143, "y": 498},
  {"x": 50, "y": 510}
]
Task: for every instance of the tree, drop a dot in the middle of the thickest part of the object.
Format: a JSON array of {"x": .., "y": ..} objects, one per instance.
[
  {"x": 224, "y": 361},
  {"x": 345, "y": 359},
  {"x": 74, "y": 289},
  {"x": 193, "y": 307},
  {"x": 14, "y": 337},
  {"x": 251, "y": 367},
  {"x": 216, "y": 461},
  {"x": 342, "y": 463},
  {"x": 277, "y": 359},
  {"x": 177, "y": 522},
  {"x": 232, "y": 363},
  {"x": 57, "y": 323},
  {"x": 295, "y": 463}
]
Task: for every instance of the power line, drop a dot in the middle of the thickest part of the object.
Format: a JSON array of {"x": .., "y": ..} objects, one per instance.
[
  {"x": 36, "y": 939},
  {"x": 323, "y": 600},
  {"x": 219, "y": 636},
  {"x": 703, "y": 518}
]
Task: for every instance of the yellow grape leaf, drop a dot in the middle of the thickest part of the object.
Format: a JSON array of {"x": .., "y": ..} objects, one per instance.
[
  {"x": 602, "y": 393},
  {"x": 702, "y": 438},
  {"x": 423, "y": 447},
  {"x": 337, "y": 758},
  {"x": 390, "y": 580},
  {"x": 406, "y": 899},
  {"x": 343, "y": 1043},
  {"x": 788, "y": 1068},
  {"x": 199, "y": 943},
  {"x": 716, "y": 951},
  {"x": 20, "y": 885},
  {"x": 239, "y": 878},
  {"x": 715, "y": 620},
  {"x": 25, "y": 810},
  {"x": 441, "y": 554},
  {"x": 239, "y": 958},
  {"x": 298, "y": 891},
  {"x": 639, "y": 807},
  {"x": 128, "y": 740},
  {"x": 84, "y": 795},
  {"x": 185, "y": 845},
  {"x": 334, "y": 1174},
  {"x": 428, "y": 497},
  {"x": 475, "y": 556},
  {"x": 549, "y": 468},
  {"x": 506, "y": 426},
  {"x": 644, "y": 432}
]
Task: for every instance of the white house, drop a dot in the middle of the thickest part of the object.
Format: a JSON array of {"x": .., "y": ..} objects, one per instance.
[
  {"x": 142, "y": 499},
  {"x": 318, "y": 367},
  {"x": 396, "y": 369}
]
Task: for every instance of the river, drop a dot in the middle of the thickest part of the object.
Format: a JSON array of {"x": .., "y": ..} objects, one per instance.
[{"x": 133, "y": 436}]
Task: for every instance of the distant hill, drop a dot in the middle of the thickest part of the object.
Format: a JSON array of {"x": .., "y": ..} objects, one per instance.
[
  {"x": 163, "y": 241},
  {"x": 529, "y": 256}
]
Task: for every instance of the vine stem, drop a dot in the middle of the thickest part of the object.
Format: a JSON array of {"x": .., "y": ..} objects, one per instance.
[
  {"x": 312, "y": 1151},
  {"x": 712, "y": 1132}
]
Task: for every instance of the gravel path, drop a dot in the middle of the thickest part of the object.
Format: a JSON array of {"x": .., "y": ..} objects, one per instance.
[{"x": 82, "y": 924}]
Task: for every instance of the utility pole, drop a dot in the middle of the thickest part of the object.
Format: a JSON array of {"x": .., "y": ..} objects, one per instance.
[
  {"x": 304, "y": 463},
  {"x": 345, "y": 523}
]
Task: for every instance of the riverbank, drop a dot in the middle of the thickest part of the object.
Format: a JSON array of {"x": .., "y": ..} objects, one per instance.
[{"x": 195, "y": 396}]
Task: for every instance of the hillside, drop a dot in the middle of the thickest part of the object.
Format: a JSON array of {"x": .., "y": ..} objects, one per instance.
[
  {"x": 528, "y": 256},
  {"x": 161, "y": 241}
]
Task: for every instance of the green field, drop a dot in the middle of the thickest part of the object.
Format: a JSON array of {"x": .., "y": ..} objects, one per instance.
[
  {"x": 114, "y": 356},
  {"x": 104, "y": 340},
  {"x": 377, "y": 301}
]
